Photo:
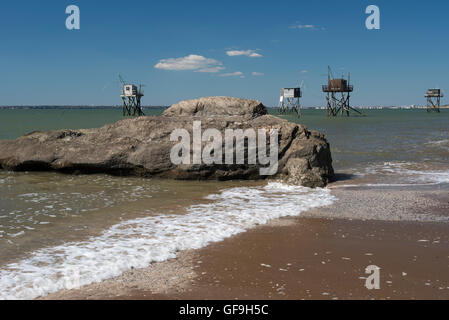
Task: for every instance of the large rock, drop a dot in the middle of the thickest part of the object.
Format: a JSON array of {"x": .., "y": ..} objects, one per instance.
[
  {"x": 142, "y": 146},
  {"x": 217, "y": 106}
]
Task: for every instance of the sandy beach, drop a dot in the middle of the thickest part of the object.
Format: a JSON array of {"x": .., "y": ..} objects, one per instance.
[{"x": 320, "y": 255}]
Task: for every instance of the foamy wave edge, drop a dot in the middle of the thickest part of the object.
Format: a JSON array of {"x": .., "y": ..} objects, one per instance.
[
  {"x": 410, "y": 177},
  {"x": 138, "y": 243}
]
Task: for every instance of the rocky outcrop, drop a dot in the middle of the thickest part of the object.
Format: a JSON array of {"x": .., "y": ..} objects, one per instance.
[
  {"x": 217, "y": 106},
  {"x": 142, "y": 146}
]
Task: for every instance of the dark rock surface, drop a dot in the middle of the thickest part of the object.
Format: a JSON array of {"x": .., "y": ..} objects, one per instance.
[{"x": 142, "y": 146}]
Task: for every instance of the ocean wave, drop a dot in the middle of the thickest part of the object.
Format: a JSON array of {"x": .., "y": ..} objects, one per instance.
[
  {"x": 381, "y": 185},
  {"x": 439, "y": 142},
  {"x": 411, "y": 173},
  {"x": 139, "y": 242}
]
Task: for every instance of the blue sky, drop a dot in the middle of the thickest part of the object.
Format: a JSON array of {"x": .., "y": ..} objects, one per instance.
[{"x": 253, "y": 47}]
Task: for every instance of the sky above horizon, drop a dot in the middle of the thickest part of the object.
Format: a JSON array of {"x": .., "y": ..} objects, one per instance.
[{"x": 188, "y": 49}]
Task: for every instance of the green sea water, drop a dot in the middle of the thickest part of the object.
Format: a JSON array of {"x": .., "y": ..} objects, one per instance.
[
  {"x": 387, "y": 135},
  {"x": 17, "y": 122}
]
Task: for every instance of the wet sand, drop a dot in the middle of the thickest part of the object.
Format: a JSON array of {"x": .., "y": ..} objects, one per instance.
[{"x": 321, "y": 255}]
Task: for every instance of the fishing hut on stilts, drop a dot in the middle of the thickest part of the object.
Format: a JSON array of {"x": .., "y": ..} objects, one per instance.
[
  {"x": 131, "y": 97},
  {"x": 434, "y": 100},
  {"x": 338, "y": 96},
  {"x": 289, "y": 101}
]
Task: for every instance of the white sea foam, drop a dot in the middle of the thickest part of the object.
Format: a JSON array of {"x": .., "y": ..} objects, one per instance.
[
  {"x": 381, "y": 185},
  {"x": 433, "y": 176},
  {"x": 137, "y": 243},
  {"x": 440, "y": 143},
  {"x": 406, "y": 172}
]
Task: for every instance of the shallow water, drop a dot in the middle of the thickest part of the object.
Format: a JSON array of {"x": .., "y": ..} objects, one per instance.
[
  {"x": 58, "y": 231},
  {"x": 387, "y": 146},
  {"x": 17, "y": 122},
  {"x": 45, "y": 209}
]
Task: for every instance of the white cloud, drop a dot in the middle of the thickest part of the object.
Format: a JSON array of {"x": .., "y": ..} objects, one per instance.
[
  {"x": 233, "y": 74},
  {"x": 305, "y": 71},
  {"x": 211, "y": 70},
  {"x": 190, "y": 62},
  {"x": 257, "y": 74},
  {"x": 248, "y": 53},
  {"x": 306, "y": 27}
]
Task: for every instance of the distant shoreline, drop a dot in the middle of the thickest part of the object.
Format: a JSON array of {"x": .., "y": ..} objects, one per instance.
[
  {"x": 165, "y": 107},
  {"x": 75, "y": 107}
]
